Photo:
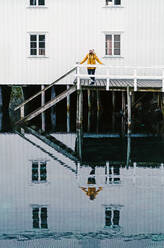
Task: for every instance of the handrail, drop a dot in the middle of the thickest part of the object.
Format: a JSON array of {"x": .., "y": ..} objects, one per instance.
[
  {"x": 46, "y": 88},
  {"x": 108, "y": 76},
  {"x": 118, "y": 66}
]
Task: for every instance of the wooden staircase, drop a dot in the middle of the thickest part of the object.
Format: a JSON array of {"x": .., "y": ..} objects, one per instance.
[{"x": 47, "y": 105}]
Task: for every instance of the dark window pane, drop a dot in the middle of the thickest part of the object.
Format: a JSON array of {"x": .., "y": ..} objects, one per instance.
[
  {"x": 32, "y": 2},
  {"x": 116, "y": 37},
  {"x": 117, "y": 45},
  {"x": 41, "y": 44},
  {"x": 33, "y": 44},
  {"x": 41, "y": 2},
  {"x": 108, "y": 216},
  {"x": 35, "y": 217},
  {"x": 33, "y": 37},
  {"x": 108, "y": 44},
  {"x": 108, "y": 37},
  {"x": 44, "y": 218},
  {"x": 33, "y": 52},
  {"x": 109, "y": 52},
  {"x": 117, "y": 2},
  {"x": 116, "y": 51},
  {"x": 42, "y": 51},
  {"x": 42, "y": 38},
  {"x": 116, "y": 217},
  {"x": 43, "y": 172}
]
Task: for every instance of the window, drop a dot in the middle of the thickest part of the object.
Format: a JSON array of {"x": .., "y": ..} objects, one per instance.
[
  {"x": 37, "y": 45},
  {"x": 39, "y": 217},
  {"x": 113, "y": 2},
  {"x": 39, "y": 171},
  {"x": 113, "y": 44},
  {"x": 37, "y": 2},
  {"x": 112, "y": 217}
]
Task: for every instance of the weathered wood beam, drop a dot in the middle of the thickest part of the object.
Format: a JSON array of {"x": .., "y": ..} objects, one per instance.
[
  {"x": 129, "y": 108},
  {"x": 79, "y": 115},
  {"x": 48, "y": 105}
]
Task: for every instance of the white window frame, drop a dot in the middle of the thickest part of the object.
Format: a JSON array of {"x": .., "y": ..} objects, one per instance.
[
  {"x": 113, "y": 3},
  {"x": 29, "y": 45},
  {"x": 39, "y": 207},
  {"x": 112, "y": 34},
  {"x": 37, "y": 4},
  {"x": 39, "y": 181}
]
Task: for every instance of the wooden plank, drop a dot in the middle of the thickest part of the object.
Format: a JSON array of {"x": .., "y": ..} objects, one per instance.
[
  {"x": 46, "y": 88},
  {"x": 48, "y": 105},
  {"x": 55, "y": 143}
]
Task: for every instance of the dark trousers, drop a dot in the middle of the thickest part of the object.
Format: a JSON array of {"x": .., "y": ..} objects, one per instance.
[{"x": 92, "y": 72}]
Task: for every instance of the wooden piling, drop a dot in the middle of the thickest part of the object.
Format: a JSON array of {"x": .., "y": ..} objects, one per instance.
[
  {"x": 53, "y": 110},
  {"x": 1, "y": 98},
  {"x": 123, "y": 113},
  {"x": 68, "y": 111},
  {"x": 98, "y": 109},
  {"x": 128, "y": 151},
  {"x": 42, "y": 104},
  {"x": 89, "y": 110},
  {"x": 79, "y": 115},
  {"x": 79, "y": 133},
  {"x": 129, "y": 108},
  {"x": 113, "y": 108}
]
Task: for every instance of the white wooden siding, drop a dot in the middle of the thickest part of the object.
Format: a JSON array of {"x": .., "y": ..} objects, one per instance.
[{"x": 72, "y": 28}]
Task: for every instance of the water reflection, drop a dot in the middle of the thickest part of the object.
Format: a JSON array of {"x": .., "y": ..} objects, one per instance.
[
  {"x": 112, "y": 216},
  {"x": 96, "y": 196},
  {"x": 112, "y": 173},
  {"x": 39, "y": 217},
  {"x": 39, "y": 171},
  {"x": 92, "y": 190}
]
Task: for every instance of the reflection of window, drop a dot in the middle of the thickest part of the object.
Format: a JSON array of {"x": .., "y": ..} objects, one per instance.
[
  {"x": 113, "y": 2},
  {"x": 112, "y": 217},
  {"x": 37, "y": 2},
  {"x": 39, "y": 171},
  {"x": 112, "y": 174},
  {"x": 113, "y": 44},
  {"x": 39, "y": 216},
  {"x": 37, "y": 45}
]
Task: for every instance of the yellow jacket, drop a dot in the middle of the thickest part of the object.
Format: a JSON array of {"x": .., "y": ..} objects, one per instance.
[
  {"x": 91, "y": 191},
  {"x": 92, "y": 58}
]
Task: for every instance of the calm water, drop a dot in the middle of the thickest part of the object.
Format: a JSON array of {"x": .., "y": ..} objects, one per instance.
[{"x": 113, "y": 197}]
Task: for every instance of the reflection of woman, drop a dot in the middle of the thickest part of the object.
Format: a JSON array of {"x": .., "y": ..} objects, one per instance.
[{"x": 92, "y": 190}]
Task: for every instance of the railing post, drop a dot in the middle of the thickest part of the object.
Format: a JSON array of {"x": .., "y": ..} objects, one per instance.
[
  {"x": 78, "y": 78},
  {"x": 107, "y": 80},
  {"x": 22, "y": 112},
  {"x": 135, "y": 80},
  {"x": 163, "y": 80}
]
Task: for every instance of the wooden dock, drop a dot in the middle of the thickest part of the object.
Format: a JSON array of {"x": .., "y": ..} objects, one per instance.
[
  {"x": 122, "y": 84},
  {"x": 76, "y": 80}
]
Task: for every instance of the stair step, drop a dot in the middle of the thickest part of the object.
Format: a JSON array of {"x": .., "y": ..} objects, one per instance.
[{"x": 49, "y": 104}]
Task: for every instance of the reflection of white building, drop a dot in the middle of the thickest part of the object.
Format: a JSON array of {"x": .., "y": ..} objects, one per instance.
[
  {"x": 42, "y": 35},
  {"x": 60, "y": 206}
]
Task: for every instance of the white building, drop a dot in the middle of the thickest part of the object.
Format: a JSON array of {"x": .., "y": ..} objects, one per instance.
[{"x": 42, "y": 39}]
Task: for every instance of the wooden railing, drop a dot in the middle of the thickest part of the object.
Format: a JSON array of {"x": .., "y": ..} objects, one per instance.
[
  {"x": 42, "y": 92},
  {"x": 79, "y": 74},
  {"x": 108, "y": 75}
]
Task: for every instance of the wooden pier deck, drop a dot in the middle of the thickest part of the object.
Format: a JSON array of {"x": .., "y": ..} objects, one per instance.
[
  {"x": 129, "y": 79},
  {"x": 122, "y": 84}
]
